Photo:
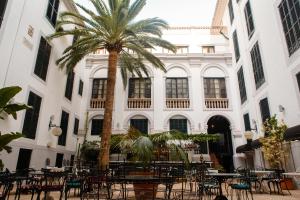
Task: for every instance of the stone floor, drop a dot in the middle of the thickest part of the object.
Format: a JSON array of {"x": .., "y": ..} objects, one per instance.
[{"x": 295, "y": 195}]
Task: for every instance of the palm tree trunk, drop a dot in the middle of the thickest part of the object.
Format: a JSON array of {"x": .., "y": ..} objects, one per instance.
[{"x": 103, "y": 158}]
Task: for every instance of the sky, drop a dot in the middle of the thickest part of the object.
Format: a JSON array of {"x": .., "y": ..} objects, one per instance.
[{"x": 177, "y": 12}]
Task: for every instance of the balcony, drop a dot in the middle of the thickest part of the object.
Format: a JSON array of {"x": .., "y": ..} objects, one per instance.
[
  {"x": 213, "y": 103},
  {"x": 178, "y": 103},
  {"x": 139, "y": 103},
  {"x": 97, "y": 103}
]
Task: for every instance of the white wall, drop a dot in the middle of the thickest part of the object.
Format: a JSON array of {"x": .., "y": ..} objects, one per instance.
[{"x": 18, "y": 56}]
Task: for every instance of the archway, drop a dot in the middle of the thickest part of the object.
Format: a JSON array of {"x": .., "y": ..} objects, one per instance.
[{"x": 221, "y": 151}]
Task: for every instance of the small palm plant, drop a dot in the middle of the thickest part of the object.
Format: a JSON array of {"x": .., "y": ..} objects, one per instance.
[
  {"x": 7, "y": 107},
  {"x": 112, "y": 26}
]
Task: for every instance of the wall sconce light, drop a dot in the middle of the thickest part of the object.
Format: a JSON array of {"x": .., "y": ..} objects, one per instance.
[
  {"x": 56, "y": 130},
  {"x": 281, "y": 108},
  {"x": 255, "y": 125}
]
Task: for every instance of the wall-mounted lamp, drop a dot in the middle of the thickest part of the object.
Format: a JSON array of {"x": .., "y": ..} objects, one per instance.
[
  {"x": 281, "y": 108},
  {"x": 255, "y": 126},
  {"x": 56, "y": 130}
]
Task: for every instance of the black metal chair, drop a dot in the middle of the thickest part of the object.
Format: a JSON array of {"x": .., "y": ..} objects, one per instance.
[
  {"x": 244, "y": 186},
  {"x": 25, "y": 183},
  {"x": 6, "y": 184},
  {"x": 75, "y": 182},
  {"x": 51, "y": 182},
  {"x": 96, "y": 186},
  {"x": 276, "y": 179}
]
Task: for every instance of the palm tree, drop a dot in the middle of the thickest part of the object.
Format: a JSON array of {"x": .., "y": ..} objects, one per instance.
[{"x": 112, "y": 26}]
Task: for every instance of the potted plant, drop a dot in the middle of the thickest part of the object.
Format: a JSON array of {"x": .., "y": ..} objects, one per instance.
[
  {"x": 272, "y": 147},
  {"x": 142, "y": 149},
  {"x": 161, "y": 146},
  {"x": 8, "y": 107}
]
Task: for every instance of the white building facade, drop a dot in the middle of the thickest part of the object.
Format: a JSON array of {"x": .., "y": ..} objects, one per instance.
[
  {"x": 265, "y": 42},
  {"x": 197, "y": 94},
  {"x": 28, "y": 60},
  {"x": 205, "y": 88}
]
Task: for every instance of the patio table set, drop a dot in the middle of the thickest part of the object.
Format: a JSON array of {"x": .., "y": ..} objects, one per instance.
[{"x": 122, "y": 180}]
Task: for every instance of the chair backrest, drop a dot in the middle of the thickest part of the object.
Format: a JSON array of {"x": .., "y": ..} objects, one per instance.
[
  {"x": 6, "y": 183},
  {"x": 54, "y": 178}
]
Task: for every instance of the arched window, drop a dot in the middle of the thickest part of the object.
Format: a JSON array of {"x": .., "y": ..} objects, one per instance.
[
  {"x": 179, "y": 123},
  {"x": 140, "y": 123}
]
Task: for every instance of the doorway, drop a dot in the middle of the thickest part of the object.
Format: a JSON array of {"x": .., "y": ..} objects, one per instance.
[{"x": 221, "y": 150}]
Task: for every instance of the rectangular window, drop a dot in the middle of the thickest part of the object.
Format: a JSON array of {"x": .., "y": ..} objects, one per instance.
[
  {"x": 236, "y": 46},
  {"x": 179, "y": 125},
  {"x": 59, "y": 160},
  {"x": 247, "y": 122},
  {"x": 215, "y": 88},
  {"x": 80, "y": 88},
  {"x": 2, "y": 10},
  {"x": 64, "y": 127},
  {"x": 42, "y": 59},
  {"x": 99, "y": 88},
  {"x": 140, "y": 124},
  {"x": 298, "y": 80},
  {"x": 242, "y": 86},
  {"x": 97, "y": 126},
  {"x": 264, "y": 109},
  {"x": 69, "y": 85},
  {"x": 290, "y": 18},
  {"x": 177, "y": 88},
  {"x": 202, "y": 148},
  {"x": 139, "y": 88},
  {"x": 32, "y": 116},
  {"x": 257, "y": 65},
  {"x": 72, "y": 160},
  {"x": 52, "y": 11},
  {"x": 231, "y": 13},
  {"x": 208, "y": 49},
  {"x": 24, "y": 159},
  {"x": 249, "y": 19},
  {"x": 76, "y": 126}
]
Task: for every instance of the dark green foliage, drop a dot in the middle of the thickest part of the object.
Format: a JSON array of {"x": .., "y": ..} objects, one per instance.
[{"x": 9, "y": 108}]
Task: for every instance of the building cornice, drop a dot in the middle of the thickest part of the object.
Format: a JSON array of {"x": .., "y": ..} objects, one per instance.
[
  {"x": 70, "y": 5},
  {"x": 219, "y": 12}
]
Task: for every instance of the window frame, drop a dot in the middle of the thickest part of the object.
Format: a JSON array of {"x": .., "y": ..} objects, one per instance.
[
  {"x": 288, "y": 28},
  {"x": 206, "y": 86},
  {"x": 143, "y": 83},
  {"x": 65, "y": 117},
  {"x": 179, "y": 123},
  {"x": 80, "y": 87},
  {"x": 53, "y": 12},
  {"x": 249, "y": 18},
  {"x": 70, "y": 85},
  {"x": 257, "y": 66},
  {"x": 96, "y": 133},
  {"x": 3, "y": 12},
  {"x": 33, "y": 112},
  {"x": 231, "y": 11},
  {"x": 236, "y": 47},
  {"x": 242, "y": 85},
  {"x": 176, "y": 92},
  {"x": 76, "y": 126},
  {"x": 141, "y": 122},
  {"x": 103, "y": 89},
  {"x": 42, "y": 59},
  {"x": 264, "y": 111}
]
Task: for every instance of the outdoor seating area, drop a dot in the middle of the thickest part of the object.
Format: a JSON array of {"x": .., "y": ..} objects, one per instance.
[{"x": 133, "y": 180}]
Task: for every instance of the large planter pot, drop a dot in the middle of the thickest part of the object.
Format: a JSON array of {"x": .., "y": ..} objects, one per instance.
[
  {"x": 144, "y": 191},
  {"x": 287, "y": 183}
]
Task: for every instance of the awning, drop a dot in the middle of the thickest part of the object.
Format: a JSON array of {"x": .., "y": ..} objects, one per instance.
[
  {"x": 243, "y": 148},
  {"x": 255, "y": 144},
  {"x": 292, "y": 133}
]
